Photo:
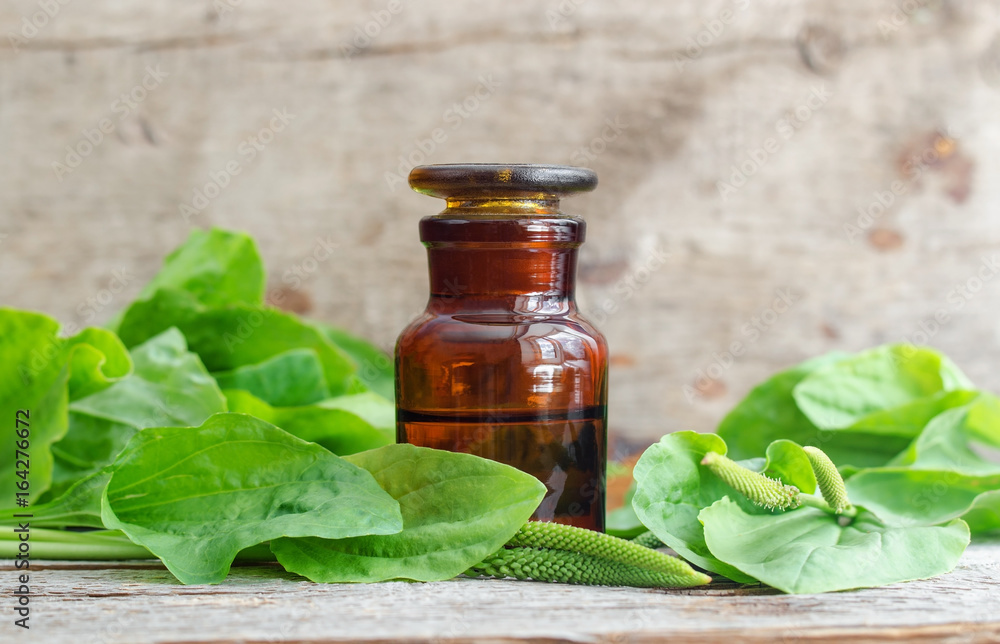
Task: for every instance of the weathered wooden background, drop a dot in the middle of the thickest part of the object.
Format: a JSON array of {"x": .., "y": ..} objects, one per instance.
[{"x": 807, "y": 111}]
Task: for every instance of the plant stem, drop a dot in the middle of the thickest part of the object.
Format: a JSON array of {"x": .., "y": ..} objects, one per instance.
[
  {"x": 103, "y": 545},
  {"x": 96, "y": 545},
  {"x": 816, "y": 502}
]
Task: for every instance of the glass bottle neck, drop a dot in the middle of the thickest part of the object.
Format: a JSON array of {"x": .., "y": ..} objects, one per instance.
[
  {"x": 523, "y": 262},
  {"x": 495, "y": 277}
]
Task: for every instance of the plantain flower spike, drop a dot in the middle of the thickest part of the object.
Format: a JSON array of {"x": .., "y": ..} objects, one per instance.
[
  {"x": 567, "y": 554},
  {"x": 761, "y": 490},
  {"x": 831, "y": 484},
  {"x": 570, "y": 567},
  {"x": 536, "y": 534}
]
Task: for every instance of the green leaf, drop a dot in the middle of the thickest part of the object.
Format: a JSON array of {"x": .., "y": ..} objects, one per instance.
[
  {"x": 672, "y": 488},
  {"x": 984, "y": 515},
  {"x": 457, "y": 509},
  {"x": 623, "y": 522},
  {"x": 168, "y": 387},
  {"x": 236, "y": 336},
  {"x": 843, "y": 393},
  {"x": 370, "y": 407},
  {"x": 288, "y": 379},
  {"x": 38, "y": 373},
  {"x": 941, "y": 475},
  {"x": 907, "y": 497},
  {"x": 950, "y": 438},
  {"x": 79, "y": 506},
  {"x": 908, "y": 420},
  {"x": 375, "y": 368},
  {"x": 216, "y": 267},
  {"x": 788, "y": 463},
  {"x": 341, "y": 430},
  {"x": 99, "y": 359},
  {"x": 808, "y": 551},
  {"x": 196, "y": 496},
  {"x": 769, "y": 413}
]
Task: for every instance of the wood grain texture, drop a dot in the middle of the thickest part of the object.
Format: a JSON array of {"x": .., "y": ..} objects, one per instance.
[
  {"x": 84, "y": 602},
  {"x": 848, "y": 92}
]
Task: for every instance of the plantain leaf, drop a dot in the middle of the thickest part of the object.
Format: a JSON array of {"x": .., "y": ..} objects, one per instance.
[
  {"x": 197, "y": 496},
  {"x": 457, "y": 509},
  {"x": 168, "y": 387},
  {"x": 845, "y": 392},
  {"x": 288, "y": 379},
  {"x": 344, "y": 425},
  {"x": 672, "y": 488},
  {"x": 39, "y": 374},
  {"x": 808, "y": 550}
]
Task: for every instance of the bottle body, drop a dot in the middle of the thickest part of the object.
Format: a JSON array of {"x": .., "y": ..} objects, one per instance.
[{"x": 501, "y": 364}]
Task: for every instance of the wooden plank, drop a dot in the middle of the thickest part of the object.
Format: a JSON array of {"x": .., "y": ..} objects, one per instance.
[{"x": 84, "y": 602}]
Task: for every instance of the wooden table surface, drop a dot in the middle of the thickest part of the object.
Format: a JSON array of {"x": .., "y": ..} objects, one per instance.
[{"x": 140, "y": 602}]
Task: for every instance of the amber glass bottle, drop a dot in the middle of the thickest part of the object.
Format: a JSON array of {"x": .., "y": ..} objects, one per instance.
[{"x": 501, "y": 363}]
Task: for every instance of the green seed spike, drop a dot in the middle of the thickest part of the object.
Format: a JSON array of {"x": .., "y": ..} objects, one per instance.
[
  {"x": 761, "y": 490},
  {"x": 567, "y": 567},
  {"x": 831, "y": 484},
  {"x": 648, "y": 540},
  {"x": 536, "y": 534}
]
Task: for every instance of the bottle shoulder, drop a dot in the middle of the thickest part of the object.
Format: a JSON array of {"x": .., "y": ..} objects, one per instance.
[
  {"x": 502, "y": 325},
  {"x": 479, "y": 361}
]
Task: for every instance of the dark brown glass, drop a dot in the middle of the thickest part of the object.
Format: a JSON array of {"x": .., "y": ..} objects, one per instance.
[{"x": 501, "y": 363}]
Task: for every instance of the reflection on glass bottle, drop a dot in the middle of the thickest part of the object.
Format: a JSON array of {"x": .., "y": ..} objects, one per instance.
[{"x": 501, "y": 363}]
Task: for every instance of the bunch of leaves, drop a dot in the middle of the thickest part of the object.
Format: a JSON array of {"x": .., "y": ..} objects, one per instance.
[
  {"x": 915, "y": 440},
  {"x": 205, "y": 428},
  {"x": 198, "y": 340},
  {"x": 765, "y": 520},
  {"x": 903, "y": 425},
  {"x": 239, "y": 488}
]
